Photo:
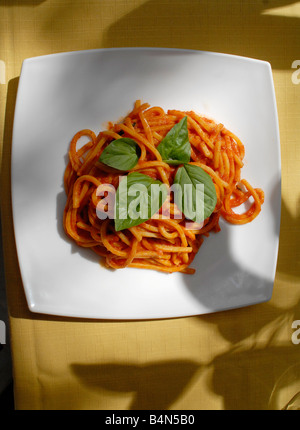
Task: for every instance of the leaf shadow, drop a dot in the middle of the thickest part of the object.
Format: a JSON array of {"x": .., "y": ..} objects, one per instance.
[
  {"x": 246, "y": 378},
  {"x": 234, "y": 27},
  {"x": 154, "y": 386}
]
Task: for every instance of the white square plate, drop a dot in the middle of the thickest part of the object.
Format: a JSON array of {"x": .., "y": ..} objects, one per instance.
[{"x": 62, "y": 93}]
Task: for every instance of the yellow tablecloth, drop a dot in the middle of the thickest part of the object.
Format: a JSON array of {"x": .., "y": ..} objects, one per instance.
[{"x": 228, "y": 360}]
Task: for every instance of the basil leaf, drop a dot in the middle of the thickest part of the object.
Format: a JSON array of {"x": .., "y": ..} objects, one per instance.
[
  {"x": 138, "y": 197},
  {"x": 198, "y": 197},
  {"x": 175, "y": 147},
  {"x": 122, "y": 154}
]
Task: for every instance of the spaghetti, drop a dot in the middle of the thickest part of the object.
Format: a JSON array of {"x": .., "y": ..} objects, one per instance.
[{"x": 163, "y": 243}]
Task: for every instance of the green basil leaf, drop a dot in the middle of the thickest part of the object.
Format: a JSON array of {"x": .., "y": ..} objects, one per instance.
[
  {"x": 122, "y": 154},
  {"x": 138, "y": 198},
  {"x": 175, "y": 147},
  {"x": 198, "y": 197}
]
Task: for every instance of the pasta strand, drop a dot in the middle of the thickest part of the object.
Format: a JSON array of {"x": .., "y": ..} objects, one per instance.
[{"x": 165, "y": 242}]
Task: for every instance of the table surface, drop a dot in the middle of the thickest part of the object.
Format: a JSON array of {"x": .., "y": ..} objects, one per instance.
[{"x": 228, "y": 360}]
